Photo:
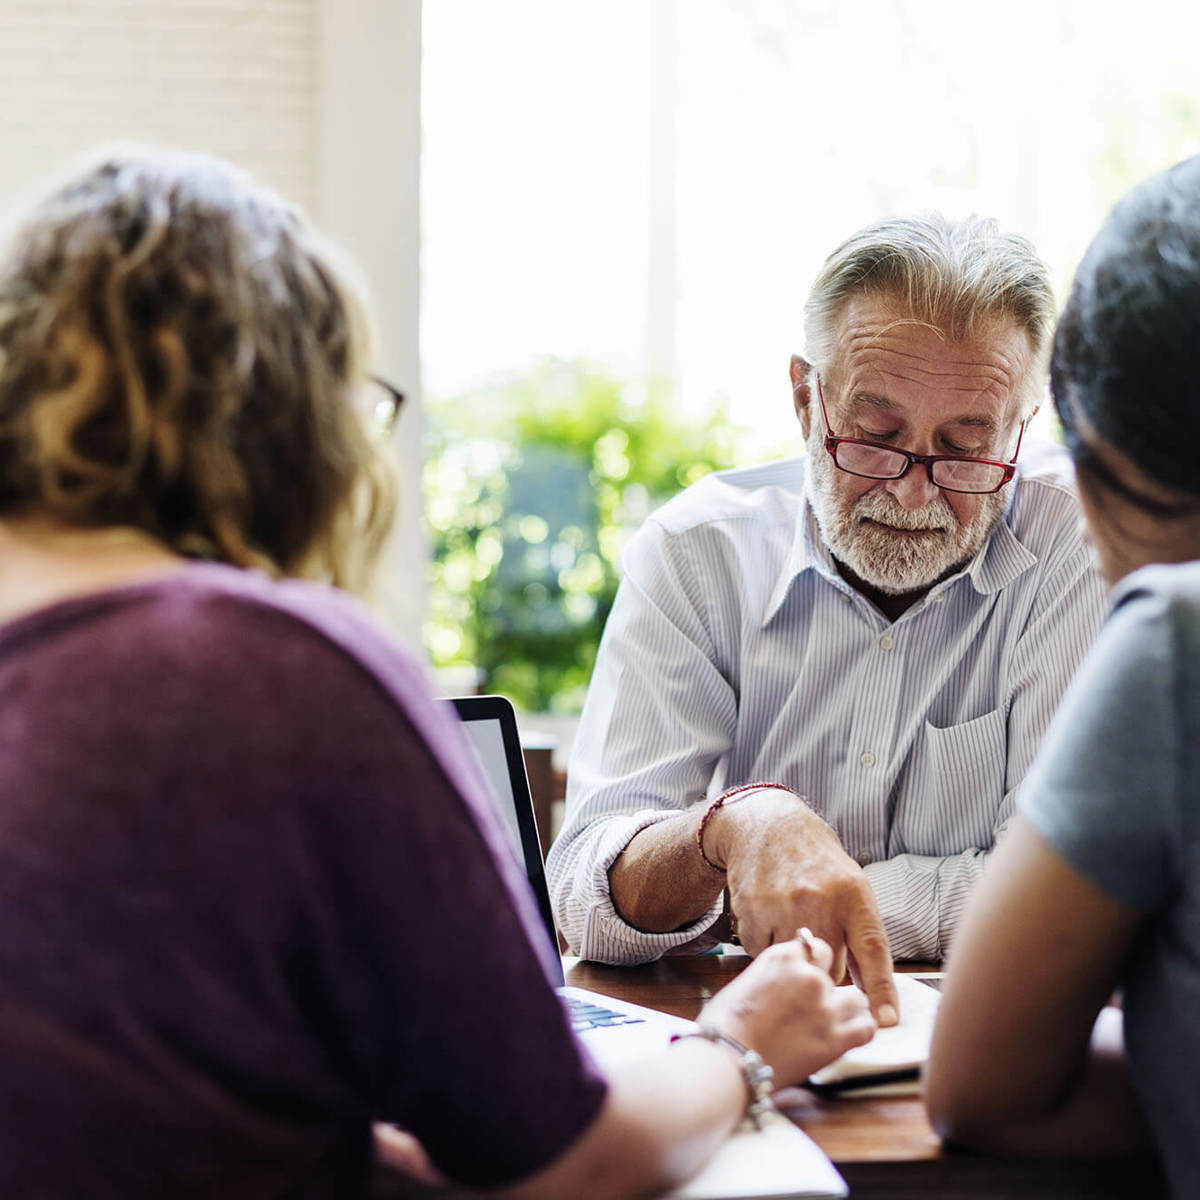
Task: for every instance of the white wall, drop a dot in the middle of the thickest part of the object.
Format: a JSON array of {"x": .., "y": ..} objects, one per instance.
[
  {"x": 320, "y": 99},
  {"x": 368, "y": 168},
  {"x": 234, "y": 78}
]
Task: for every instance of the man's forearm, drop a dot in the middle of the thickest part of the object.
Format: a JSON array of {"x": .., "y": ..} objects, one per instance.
[{"x": 660, "y": 883}]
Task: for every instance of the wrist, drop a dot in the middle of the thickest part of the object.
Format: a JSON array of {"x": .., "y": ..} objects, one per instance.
[
  {"x": 717, "y": 832},
  {"x": 757, "y": 1077}
]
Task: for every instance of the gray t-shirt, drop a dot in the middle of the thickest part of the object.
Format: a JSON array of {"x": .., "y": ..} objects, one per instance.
[{"x": 1115, "y": 792}]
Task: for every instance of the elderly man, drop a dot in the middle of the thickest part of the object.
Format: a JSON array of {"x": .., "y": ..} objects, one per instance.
[{"x": 824, "y": 678}]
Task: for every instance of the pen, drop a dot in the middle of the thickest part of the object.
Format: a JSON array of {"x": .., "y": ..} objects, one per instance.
[{"x": 804, "y": 936}]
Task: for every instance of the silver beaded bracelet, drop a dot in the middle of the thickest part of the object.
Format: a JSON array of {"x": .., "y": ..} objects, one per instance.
[{"x": 758, "y": 1076}]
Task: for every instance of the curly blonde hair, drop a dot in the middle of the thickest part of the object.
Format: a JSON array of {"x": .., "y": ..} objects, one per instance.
[{"x": 179, "y": 352}]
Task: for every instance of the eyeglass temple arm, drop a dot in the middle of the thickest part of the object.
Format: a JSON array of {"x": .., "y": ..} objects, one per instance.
[
  {"x": 1020, "y": 437},
  {"x": 390, "y": 388},
  {"x": 821, "y": 400}
]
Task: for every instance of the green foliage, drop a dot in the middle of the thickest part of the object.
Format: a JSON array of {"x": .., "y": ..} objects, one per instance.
[{"x": 532, "y": 487}]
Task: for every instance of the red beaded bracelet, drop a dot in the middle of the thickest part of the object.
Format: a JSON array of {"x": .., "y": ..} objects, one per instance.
[{"x": 729, "y": 795}]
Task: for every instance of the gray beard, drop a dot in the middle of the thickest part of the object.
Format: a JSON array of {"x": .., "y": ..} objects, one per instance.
[{"x": 892, "y": 563}]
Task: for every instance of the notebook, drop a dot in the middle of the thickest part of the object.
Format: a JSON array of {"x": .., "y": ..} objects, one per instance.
[
  {"x": 774, "y": 1163},
  {"x": 890, "y": 1063}
]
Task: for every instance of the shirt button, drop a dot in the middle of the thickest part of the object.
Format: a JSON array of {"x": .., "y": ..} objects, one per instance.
[
  {"x": 867, "y": 758},
  {"x": 864, "y": 858},
  {"x": 885, "y": 642}
]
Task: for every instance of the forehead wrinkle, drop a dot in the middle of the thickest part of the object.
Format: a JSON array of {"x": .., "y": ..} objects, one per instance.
[
  {"x": 994, "y": 387},
  {"x": 870, "y": 341},
  {"x": 990, "y": 368},
  {"x": 999, "y": 368},
  {"x": 987, "y": 379}
]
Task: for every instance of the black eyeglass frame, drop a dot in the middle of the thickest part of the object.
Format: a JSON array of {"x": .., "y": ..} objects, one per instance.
[
  {"x": 397, "y": 398},
  {"x": 929, "y": 461}
]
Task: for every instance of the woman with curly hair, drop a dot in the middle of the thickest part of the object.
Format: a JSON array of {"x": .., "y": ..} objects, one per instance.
[{"x": 229, "y": 806}]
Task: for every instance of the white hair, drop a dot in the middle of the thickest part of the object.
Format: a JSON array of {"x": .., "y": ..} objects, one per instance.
[{"x": 953, "y": 275}]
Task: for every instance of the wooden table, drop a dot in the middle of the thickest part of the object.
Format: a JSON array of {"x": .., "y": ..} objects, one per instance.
[{"x": 884, "y": 1147}]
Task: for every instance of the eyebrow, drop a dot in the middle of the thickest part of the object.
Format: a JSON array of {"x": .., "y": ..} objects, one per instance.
[{"x": 883, "y": 404}]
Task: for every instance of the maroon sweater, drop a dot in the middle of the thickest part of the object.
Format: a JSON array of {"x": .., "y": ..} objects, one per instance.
[{"x": 248, "y": 889}]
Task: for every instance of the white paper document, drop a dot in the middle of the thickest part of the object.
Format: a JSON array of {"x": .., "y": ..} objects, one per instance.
[
  {"x": 773, "y": 1163},
  {"x": 902, "y": 1047}
]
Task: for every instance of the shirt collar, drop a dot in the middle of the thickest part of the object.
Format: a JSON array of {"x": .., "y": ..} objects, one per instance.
[
  {"x": 1000, "y": 561},
  {"x": 807, "y": 553}
]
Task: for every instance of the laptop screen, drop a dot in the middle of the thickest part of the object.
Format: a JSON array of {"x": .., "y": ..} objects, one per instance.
[
  {"x": 487, "y": 737},
  {"x": 491, "y": 726}
]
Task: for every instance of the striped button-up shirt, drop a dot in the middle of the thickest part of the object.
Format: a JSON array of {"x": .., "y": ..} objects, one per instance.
[{"x": 736, "y": 652}]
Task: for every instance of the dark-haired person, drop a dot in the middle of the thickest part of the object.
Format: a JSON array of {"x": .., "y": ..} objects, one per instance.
[
  {"x": 229, "y": 807},
  {"x": 1097, "y": 885}
]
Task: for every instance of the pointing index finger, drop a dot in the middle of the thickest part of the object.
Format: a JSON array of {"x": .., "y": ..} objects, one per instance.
[{"x": 871, "y": 967}]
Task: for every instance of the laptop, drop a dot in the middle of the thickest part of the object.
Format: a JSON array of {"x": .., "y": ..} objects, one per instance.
[
  {"x": 771, "y": 1163},
  {"x": 613, "y": 1030}
]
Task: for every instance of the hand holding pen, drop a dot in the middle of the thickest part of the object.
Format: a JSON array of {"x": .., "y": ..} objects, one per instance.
[{"x": 820, "y": 955}]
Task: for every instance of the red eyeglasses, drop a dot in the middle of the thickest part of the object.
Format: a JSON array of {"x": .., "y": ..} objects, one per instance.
[{"x": 952, "y": 473}]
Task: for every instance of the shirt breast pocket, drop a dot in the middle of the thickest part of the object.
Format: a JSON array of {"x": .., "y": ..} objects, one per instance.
[{"x": 951, "y": 796}]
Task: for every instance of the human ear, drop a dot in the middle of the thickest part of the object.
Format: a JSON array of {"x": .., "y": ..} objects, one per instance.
[{"x": 801, "y": 373}]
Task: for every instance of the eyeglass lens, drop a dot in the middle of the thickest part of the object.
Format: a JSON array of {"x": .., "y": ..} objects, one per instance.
[{"x": 878, "y": 462}]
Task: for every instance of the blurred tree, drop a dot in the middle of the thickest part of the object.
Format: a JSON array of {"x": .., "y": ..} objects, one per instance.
[{"x": 532, "y": 486}]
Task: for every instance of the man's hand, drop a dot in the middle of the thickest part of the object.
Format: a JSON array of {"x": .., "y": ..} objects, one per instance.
[{"x": 786, "y": 868}]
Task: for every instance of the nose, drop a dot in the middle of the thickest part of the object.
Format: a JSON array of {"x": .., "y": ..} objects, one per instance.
[{"x": 914, "y": 489}]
